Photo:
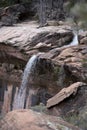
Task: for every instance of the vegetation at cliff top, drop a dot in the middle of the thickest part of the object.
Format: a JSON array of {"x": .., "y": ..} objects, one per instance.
[{"x": 4, "y": 3}]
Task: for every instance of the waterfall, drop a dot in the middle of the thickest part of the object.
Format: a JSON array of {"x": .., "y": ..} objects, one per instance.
[
  {"x": 20, "y": 97},
  {"x": 75, "y": 40}
]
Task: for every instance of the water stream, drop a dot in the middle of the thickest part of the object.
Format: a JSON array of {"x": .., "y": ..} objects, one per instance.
[{"x": 19, "y": 100}]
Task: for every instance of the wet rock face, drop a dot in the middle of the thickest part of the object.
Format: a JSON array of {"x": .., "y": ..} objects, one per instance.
[
  {"x": 41, "y": 96},
  {"x": 33, "y": 121},
  {"x": 45, "y": 76},
  {"x": 42, "y": 84},
  {"x": 7, "y": 94},
  {"x": 10, "y": 79}
]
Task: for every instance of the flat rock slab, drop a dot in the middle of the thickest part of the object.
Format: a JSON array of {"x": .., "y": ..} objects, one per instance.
[
  {"x": 63, "y": 94},
  {"x": 27, "y": 35}
]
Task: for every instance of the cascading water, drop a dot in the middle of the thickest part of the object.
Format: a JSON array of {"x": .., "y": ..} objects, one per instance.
[
  {"x": 75, "y": 40},
  {"x": 21, "y": 95}
]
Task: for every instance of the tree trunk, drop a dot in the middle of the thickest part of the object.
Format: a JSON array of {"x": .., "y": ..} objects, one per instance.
[
  {"x": 53, "y": 6},
  {"x": 60, "y": 9},
  {"x": 42, "y": 12}
]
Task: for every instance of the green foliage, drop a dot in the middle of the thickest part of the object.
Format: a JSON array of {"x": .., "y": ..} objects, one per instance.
[
  {"x": 56, "y": 72},
  {"x": 84, "y": 63},
  {"x": 4, "y": 3},
  {"x": 78, "y": 120},
  {"x": 72, "y": 119},
  {"x": 39, "y": 108},
  {"x": 78, "y": 12}
]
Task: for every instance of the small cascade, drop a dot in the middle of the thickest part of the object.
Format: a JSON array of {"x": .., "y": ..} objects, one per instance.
[
  {"x": 20, "y": 97},
  {"x": 75, "y": 40}
]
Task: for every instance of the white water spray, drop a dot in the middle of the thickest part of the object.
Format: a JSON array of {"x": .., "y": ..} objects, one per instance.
[{"x": 21, "y": 95}]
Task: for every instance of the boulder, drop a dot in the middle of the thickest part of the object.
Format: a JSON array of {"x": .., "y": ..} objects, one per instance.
[
  {"x": 83, "y": 38},
  {"x": 29, "y": 120}
]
